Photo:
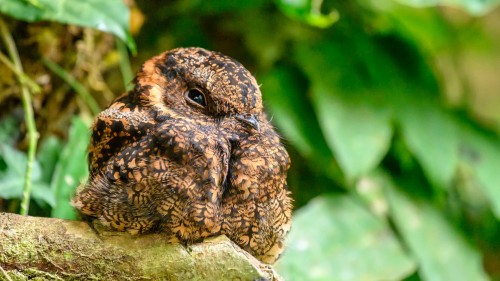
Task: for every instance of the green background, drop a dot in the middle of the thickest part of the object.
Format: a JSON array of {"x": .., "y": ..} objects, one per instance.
[{"x": 390, "y": 111}]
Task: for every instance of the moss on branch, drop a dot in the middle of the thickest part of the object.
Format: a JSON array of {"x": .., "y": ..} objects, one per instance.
[{"x": 55, "y": 249}]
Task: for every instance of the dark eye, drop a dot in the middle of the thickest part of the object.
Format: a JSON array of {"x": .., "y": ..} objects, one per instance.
[{"x": 196, "y": 96}]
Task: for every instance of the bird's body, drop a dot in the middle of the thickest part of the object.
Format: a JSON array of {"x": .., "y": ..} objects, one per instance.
[{"x": 189, "y": 153}]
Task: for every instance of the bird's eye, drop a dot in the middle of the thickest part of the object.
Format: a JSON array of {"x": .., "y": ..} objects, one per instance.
[{"x": 196, "y": 96}]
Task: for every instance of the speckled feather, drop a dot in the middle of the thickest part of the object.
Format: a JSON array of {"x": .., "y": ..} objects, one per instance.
[{"x": 161, "y": 163}]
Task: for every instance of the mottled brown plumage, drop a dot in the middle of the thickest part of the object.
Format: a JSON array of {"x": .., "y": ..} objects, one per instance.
[{"x": 190, "y": 153}]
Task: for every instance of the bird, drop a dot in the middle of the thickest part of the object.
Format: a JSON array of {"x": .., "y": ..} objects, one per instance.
[{"x": 190, "y": 153}]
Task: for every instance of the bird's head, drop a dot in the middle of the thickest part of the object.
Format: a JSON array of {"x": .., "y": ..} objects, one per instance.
[{"x": 202, "y": 84}]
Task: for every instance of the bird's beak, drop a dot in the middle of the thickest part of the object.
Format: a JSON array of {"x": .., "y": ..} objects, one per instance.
[{"x": 250, "y": 120}]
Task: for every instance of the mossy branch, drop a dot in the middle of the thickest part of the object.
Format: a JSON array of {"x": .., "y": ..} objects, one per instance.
[{"x": 55, "y": 249}]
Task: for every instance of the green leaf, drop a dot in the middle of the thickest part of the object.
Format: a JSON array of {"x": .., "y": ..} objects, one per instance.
[
  {"x": 71, "y": 169},
  {"x": 440, "y": 249},
  {"x": 370, "y": 189},
  {"x": 41, "y": 192},
  {"x": 308, "y": 11},
  {"x": 49, "y": 153},
  {"x": 356, "y": 130},
  {"x": 110, "y": 16},
  {"x": 431, "y": 135},
  {"x": 14, "y": 159},
  {"x": 12, "y": 178},
  {"x": 10, "y": 186},
  {"x": 475, "y": 7},
  {"x": 351, "y": 109},
  {"x": 336, "y": 238}
]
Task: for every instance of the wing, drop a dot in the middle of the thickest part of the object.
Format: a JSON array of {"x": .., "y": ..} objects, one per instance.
[
  {"x": 162, "y": 175},
  {"x": 121, "y": 124}
]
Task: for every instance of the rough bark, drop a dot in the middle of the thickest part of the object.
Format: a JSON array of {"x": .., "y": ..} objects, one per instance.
[{"x": 55, "y": 249}]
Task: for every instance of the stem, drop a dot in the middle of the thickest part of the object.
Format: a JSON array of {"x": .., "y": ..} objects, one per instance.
[
  {"x": 28, "y": 116},
  {"x": 32, "y": 85},
  {"x": 73, "y": 83},
  {"x": 124, "y": 64}
]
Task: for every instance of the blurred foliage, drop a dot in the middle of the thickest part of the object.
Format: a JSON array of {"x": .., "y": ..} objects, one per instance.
[
  {"x": 390, "y": 111},
  {"x": 108, "y": 16}
]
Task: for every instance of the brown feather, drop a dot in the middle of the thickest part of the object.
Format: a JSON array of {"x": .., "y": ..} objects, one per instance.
[{"x": 160, "y": 162}]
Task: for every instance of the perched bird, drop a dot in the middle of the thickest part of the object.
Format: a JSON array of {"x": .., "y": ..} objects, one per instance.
[{"x": 190, "y": 153}]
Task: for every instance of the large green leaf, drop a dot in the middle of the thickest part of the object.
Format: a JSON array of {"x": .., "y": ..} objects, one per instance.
[
  {"x": 431, "y": 135},
  {"x": 71, "y": 169},
  {"x": 357, "y": 131},
  {"x": 335, "y": 238},
  {"x": 347, "y": 99},
  {"x": 109, "y": 16},
  {"x": 441, "y": 250}
]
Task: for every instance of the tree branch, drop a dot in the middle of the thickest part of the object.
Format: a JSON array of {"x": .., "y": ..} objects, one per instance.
[{"x": 55, "y": 249}]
